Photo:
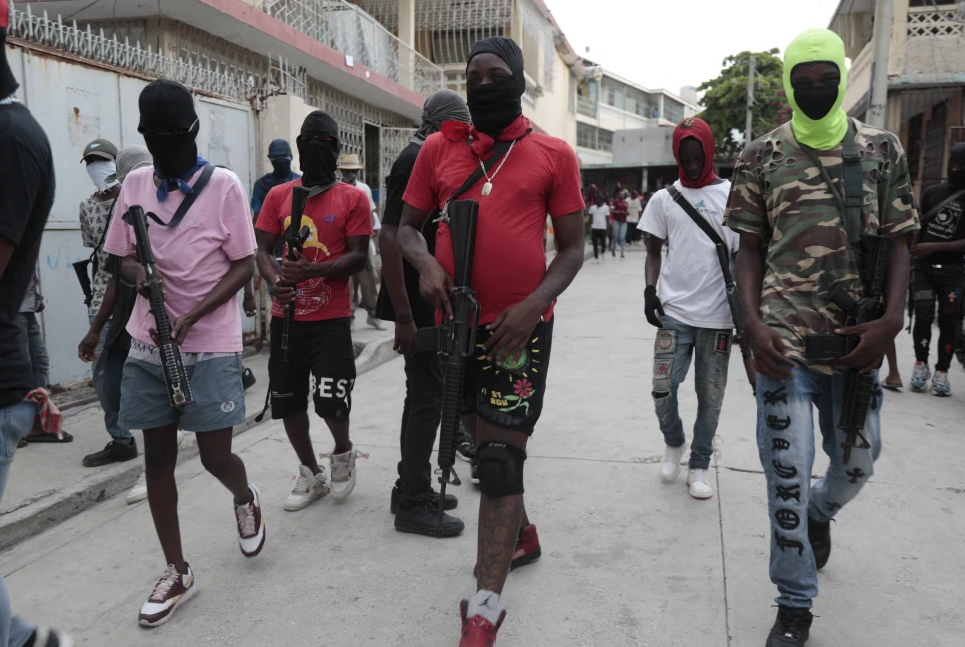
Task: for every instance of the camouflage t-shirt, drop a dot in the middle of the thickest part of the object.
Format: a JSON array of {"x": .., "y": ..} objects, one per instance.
[{"x": 778, "y": 194}]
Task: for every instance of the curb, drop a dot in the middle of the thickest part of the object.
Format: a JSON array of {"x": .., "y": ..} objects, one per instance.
[{"x": 34, "y": 518}]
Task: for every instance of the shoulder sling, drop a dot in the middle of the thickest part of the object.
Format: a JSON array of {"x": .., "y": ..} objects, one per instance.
[{"x": 189, "y": 199}]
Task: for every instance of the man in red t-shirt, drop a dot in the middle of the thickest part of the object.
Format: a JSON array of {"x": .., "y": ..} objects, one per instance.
[
  {"x": 340, "y": 224},
  {"x": 505, "y": 384}
]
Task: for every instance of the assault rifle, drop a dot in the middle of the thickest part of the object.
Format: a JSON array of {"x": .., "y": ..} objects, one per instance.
[
  {"x": 295, "y": 237},
  {"x": 175, "y": 377},
  {"x": 859, "y": 388},
  {"x": 454, "y": 340}
]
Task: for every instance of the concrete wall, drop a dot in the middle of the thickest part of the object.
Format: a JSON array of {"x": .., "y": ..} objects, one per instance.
[
  {"x": 644, "y": 147},
  {"x": 552, "y": 110}
]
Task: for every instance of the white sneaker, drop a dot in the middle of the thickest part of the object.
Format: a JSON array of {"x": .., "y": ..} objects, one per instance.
[
  {"x": 920, "y": 375},
  {"x": 343, "y": 472},
  {"x": 308, "y": 487},
  {"x": 670, "y": 466},
  {"x": 138, "y": 492},
  {"x": 697, "y": 480},
  {"x": 251, "y": 525},
  {"x": 940, "y": 385}
]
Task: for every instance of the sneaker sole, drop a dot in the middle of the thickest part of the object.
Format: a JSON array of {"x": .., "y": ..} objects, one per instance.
[
  {"x": 131, "y": 500},
  {"x": 301, "y": 505},
  {"x": 670, "y": 479},
  {"x": 918, "y": 388},
  {"x": 416, "y": 529},
  {"x": 264, "y": 530},
  {"x": 187, "y": 596},
  {"x": 344, "y": 494},
  {"x": 701, "y": 497},
  {"x": 108, "y": 462},
  {"x": 941, "y": 395}
]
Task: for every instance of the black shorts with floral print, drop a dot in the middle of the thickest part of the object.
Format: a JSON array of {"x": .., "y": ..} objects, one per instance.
[{"x": 509, "y": 395}]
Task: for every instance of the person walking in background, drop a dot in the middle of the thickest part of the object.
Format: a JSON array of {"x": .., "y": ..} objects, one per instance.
[
  {"x": 783, "y": 212},
  {"x": 27, "y": 169},
  {"x": 939, "y": 275},
  {"x": 634, "y": 209},
  {"x": 618, "y": 212},
  {"x": 349, "y": 165},
  {"x": 691, "y": 311},
  {"x": 204, "y": 261},
  {"x": 413, "y": 501},
  {"x": 600, "y": 218},
  {"x": 280, "y": 156},
  {"x": 96, "y": 212}
]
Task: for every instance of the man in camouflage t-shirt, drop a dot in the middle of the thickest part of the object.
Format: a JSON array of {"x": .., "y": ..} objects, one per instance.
[{"x": 794, "y": 250}]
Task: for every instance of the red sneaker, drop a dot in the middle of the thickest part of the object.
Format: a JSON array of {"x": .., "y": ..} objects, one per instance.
[
  {"x": 527, "y": 549},
  {"x": 477, "y": 631}
]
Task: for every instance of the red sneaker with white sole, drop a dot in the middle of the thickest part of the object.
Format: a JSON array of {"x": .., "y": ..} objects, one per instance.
[
  {"x": 527, "y": 549},
  {"x": 477, "y": 631}
]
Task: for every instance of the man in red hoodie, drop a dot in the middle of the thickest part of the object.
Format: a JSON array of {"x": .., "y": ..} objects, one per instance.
[{"x": 505, "y": 383}]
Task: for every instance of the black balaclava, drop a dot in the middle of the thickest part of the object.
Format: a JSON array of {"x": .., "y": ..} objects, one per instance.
[
  {"x": 956, "y": 157},
  {"x": 318, "y": 158},
  {"x": 8, "y": 84},
  {"x": 494, "y": 106},
  {"x": 280, "y": 154},
  {"x": 168, "y": 105}
]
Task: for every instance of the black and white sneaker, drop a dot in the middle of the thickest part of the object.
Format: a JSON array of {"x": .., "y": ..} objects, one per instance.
[
  {"x": 46, "y": 637},
  {"x": 465, "y": 447},
  {"x": 474, "y": 471},
  {"x": 791, "y": 629},
  {"x": 819, "y": 536}
]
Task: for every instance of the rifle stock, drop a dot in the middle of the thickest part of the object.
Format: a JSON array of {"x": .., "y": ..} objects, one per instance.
[
  {"x": 172, "y": 366},
  {"x": 295, "y": 237}
]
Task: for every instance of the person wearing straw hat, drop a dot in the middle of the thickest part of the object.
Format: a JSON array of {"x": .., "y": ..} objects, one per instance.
[{"x": 349, "y": 165}]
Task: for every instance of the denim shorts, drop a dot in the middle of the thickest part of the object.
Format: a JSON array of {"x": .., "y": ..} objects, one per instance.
[{"x": 216, "y": 388}]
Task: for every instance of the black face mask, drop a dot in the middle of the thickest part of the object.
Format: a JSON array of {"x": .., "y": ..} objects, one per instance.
[
  {"x": 282, "y": 166},
  {"x": 318, "y": 158},
  {"x": 174, "y": 155},
  {"x": 816, "y": 101},
  {"x": 494, "y": 106}
]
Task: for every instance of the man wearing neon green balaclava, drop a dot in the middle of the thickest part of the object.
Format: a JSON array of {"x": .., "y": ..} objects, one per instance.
[{"x": 798, "y": 242}]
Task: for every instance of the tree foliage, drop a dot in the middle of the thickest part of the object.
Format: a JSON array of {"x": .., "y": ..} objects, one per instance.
[{"x": 725, "y": 99}]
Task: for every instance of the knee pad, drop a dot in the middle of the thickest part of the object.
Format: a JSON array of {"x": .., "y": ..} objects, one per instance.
[{"x": 500, "y": 468}]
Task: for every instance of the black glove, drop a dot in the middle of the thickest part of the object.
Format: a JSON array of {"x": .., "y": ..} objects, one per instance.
[{"x": 652, "y": 306}]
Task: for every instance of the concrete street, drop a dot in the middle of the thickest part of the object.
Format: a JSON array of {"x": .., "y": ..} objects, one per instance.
[{"x": 627, "y": 561}]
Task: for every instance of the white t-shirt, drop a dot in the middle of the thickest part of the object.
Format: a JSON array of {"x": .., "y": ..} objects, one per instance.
[
  {"x": 635, "y": 206},
  {"x": 691, "y": 284},
  {"x": 599, "y": 215},
  {"x": 376, "y": 224}
]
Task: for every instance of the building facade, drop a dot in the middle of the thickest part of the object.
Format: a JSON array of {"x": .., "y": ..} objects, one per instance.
[{"x": 926, "y": 77}]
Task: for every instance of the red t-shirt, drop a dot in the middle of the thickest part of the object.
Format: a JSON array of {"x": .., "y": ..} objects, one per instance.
[
  {"x": 333, "y": 216},
  {"x": 540, "y": 175},
  {"x": 620, "y": 210}
]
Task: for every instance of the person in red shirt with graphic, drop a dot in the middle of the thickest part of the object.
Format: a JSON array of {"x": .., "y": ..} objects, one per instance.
[
  {"x": 340, "y": 224},
  {"x": 505, "y": 383}
]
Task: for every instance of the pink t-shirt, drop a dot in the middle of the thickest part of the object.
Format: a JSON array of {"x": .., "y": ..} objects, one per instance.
[{"x": 191, "y": 257}]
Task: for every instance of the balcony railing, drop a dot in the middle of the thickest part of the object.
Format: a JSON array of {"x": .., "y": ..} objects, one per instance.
[
  {"x": 586, "y": 107},
  {"x": 926, "y": 22},
  {"x": 349, "y": 30}
]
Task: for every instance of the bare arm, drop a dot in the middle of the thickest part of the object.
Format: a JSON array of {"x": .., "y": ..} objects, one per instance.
[
  {"x": 896, "y": 283},
  {"x": 393, "y": 272},
  {"x": 750, "y": 271},
  {"x": 434, "y": 283},
  {"x": 301, "y": 269},
  {"x": 654, "y": 259},
  {"x": 107, "y": 307},
  {"x": 265, "y": 256},
  {"x": 569, "y": 259}
]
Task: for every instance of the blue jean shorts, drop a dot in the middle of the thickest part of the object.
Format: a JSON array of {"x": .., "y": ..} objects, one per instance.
[{"x": 218, "y": 395}]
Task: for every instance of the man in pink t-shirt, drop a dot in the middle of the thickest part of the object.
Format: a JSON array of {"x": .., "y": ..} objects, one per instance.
[{"x": 203, "y": 261}]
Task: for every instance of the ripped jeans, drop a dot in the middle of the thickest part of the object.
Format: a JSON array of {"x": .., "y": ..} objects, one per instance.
[
  {"x": 675, "y": 344},
  {"x": 785, "y": 440}
]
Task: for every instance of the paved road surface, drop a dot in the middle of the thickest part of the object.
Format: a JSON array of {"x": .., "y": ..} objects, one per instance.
[{"x": 627, "y": 561}]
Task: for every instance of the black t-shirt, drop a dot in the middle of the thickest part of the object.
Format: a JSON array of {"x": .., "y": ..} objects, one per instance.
[
  {"x": 422, "y": 311},
  {"x": 125, "y": 294},
  {"x": 26, "y": 196},
  {"x": 947, "y": 226}
]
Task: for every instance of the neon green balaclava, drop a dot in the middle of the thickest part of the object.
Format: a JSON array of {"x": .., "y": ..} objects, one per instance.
[{"x": 812, "y": 46}]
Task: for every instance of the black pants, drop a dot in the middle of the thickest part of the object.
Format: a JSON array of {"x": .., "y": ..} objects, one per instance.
[
  {"x": 421, "y": 415},
  {"x": 599, "y": 236},
  {"x": 944, "y": 285},
  {"x": 631, "y": 232}
]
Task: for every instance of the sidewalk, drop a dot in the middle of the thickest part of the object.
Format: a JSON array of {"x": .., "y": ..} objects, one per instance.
[
  {"x": 627, "y": 561},
  {"x": 48, "y": 482}
]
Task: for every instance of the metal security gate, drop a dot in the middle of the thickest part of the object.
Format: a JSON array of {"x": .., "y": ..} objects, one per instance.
[{"x": 392, "y": 143}]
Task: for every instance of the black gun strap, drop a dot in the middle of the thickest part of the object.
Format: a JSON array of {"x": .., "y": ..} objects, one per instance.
[
  {"x": 699, "y": 220},
  {"x": 189, "y": 199},
  {"x": 498, "y": 150}
]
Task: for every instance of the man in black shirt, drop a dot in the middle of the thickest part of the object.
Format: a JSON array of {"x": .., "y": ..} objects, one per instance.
[
  {"x": 27, "y": 173},
  {"x": 413, "y": 500},
  {"x": 939, "y": 274}
]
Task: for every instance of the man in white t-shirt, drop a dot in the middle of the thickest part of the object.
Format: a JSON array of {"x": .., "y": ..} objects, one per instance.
[
  {"x": 350, "y": 165},
  {"x": 691, "y": 310},
  {"x": 599, "y": 222}
]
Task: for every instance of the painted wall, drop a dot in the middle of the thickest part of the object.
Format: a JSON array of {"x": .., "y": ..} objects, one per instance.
[
  {"x": 74, "y": 104},
  {"x": 644, "y": 147},
  {"x": 552, "y": 109}
]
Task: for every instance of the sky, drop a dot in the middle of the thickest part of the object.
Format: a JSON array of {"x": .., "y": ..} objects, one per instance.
[{"x": 671, "y": 43}]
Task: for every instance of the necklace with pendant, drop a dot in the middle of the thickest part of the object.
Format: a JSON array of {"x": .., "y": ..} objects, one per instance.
[{"x": 488, "y": 186}]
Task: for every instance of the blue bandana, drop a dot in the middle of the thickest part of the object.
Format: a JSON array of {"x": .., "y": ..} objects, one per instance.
[{"x": 184, "y": 187}]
